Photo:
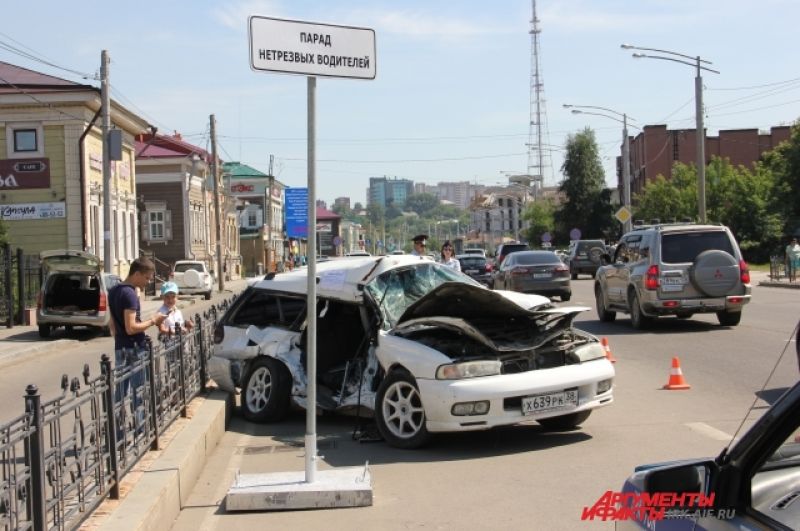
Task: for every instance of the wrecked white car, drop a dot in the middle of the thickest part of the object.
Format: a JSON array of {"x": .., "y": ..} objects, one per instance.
[{"x": 420, "y": 347}]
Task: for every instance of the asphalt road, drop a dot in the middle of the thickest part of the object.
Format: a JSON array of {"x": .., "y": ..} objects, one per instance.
[{"x": 523, "y": 477}]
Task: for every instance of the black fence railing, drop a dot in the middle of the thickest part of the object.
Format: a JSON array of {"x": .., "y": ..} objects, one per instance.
[
  {"x": 20, "y": 281},
  {"x": 63, "y": 457}
]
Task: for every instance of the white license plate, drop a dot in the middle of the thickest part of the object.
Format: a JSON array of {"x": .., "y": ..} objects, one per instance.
[
  {"x": 672, "y": 287},
  {"x": 471, "y": 271},
  {"x": 541, "y": 275},
  {"x": 672, "y": 281},
  {"x": 550, "y": 401}
]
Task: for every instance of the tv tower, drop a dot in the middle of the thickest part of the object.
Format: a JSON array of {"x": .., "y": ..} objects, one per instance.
[{"x": 539, "y": 159}]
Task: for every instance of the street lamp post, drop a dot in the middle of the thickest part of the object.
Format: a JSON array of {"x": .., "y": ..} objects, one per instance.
[
  {"x": 626, "y": 151},
  {"x": 700, "y": 133}
]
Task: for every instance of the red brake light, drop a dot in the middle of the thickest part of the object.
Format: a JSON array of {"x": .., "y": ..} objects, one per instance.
[
  {"x": 651, "y": 278},
  {"x": 103, "y": 303},
  {"x": 744, "y": 272},
  {"x": 488, "y": 267},
  {"x": 519, "y": 271}
]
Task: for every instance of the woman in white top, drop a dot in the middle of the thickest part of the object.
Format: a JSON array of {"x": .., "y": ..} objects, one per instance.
[{"x": 447, "y": 257}]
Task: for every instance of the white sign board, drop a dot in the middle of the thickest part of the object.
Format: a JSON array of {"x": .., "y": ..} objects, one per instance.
[
  {"x": 23, "y": 211},
  {"x": 296, "y": 47}
]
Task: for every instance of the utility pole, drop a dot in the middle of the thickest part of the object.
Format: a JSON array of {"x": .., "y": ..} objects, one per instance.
[
  {"x": 700, "y": 136},
  {"x": 626, "y": 171},
  {"x": 215, "y": 174},
  {"x": 268, "y": 213},
  {"x": 105, "y": 103}
]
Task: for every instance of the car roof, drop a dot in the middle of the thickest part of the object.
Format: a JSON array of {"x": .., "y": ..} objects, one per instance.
[
  {"x": 340, "y": 279},
  {"x": 678, "y": 227}
]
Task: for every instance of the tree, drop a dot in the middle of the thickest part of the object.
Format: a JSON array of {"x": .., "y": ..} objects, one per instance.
[
  {"x": 358, "y": 207},
  {"x": 540, "y": 218},
  {"x": 667, "y": 199},
  {"x": 584, "y": 181},
  {"x": 784, "y": 164},
  {"x": 422, "y": 204}
]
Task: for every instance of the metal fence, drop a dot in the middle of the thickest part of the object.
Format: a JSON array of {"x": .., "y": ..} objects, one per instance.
[
  {"x": 20, "y": 281},
  {"x": 62, "y": 457}
]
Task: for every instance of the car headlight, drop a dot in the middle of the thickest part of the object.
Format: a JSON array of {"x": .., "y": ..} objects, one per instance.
[{"x": 468, "y": 369}]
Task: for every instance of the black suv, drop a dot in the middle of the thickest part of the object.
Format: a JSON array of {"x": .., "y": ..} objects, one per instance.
[
  {"x": 585, "y": 256},
  {"x": 674, "y": 269}
]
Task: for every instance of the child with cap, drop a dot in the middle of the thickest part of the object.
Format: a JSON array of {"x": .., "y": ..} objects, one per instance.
[{"x": 169, "y": 294}]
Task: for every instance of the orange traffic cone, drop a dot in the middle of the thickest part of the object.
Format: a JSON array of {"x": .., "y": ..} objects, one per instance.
[
  {"x": 609, "y": 356},
  {"x": 676, "y": 381}
]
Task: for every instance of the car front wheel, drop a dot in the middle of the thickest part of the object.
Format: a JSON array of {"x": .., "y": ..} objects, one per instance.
[
  {"x": 266, "y": 392},
  {"x": 399, "y": 413},
  {"x": 565, "y": 422}
]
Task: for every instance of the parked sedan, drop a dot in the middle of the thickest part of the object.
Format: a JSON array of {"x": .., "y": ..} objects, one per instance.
[
  {"x": 414, "y": 344},
  {"x": 476, "y": 266},
  {"x": 539, "y": 272}
]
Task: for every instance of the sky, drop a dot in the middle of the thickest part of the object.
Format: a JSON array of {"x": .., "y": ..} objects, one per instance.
[{"x": 451, "y": 99}]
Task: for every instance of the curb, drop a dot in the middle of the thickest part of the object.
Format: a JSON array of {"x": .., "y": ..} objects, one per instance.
[
  {"x": 161, "y": 491},
  {"x": 778, "y": 284}
]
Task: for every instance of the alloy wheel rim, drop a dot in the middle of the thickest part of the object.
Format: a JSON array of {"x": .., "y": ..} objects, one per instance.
[
  {"x": 259, "y": 389},
  {"x": 402, "y": 410}
]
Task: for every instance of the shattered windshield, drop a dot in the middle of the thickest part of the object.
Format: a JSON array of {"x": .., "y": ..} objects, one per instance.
[{"x": 396, "y": 290}]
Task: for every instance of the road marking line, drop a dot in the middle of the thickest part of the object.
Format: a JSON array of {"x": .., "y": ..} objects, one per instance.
[{"x": 704, "y": 429}]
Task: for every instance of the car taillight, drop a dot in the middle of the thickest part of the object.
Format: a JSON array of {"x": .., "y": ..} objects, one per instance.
[
  {"x": 651, "y": 278},
  {"x": 744, "y": 272},
  {"x": 103, "y": 304},
  {"x": 519, "y": 271},
  {"x": 561, "y": 270},
  {"x": 219, "y": 334},
  {"x": 488, "y": 268}
]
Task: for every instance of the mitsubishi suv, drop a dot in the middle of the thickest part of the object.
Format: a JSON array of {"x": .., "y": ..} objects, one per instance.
[{"x": 675, "y": 269}]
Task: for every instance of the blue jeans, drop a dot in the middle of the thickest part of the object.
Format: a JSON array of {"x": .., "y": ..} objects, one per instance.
[{"x": 132, "y": 384}]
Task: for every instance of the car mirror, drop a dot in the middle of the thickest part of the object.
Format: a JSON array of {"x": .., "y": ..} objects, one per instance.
[{"x": 689, "y": 477}]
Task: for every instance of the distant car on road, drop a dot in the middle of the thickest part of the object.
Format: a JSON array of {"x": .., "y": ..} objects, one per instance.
[
  {"x": 585, "y": 256},
  {"x": 192, "y": 277},
  {"x": 358, "y": 253},
  {"x": 476, "y": 266},
  {"x": 74, "y": 292},
  {"x": 540, "y": 272},
  {"x": 674, "y": 269}
]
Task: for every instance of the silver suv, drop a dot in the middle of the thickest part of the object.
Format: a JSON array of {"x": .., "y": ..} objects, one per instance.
[{"x": 674, "y": 269}]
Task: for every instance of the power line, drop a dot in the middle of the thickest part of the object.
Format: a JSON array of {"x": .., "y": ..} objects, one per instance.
[
  {"x": 37, "y": 57},
  {"x": 398, "y": 161},
  {"x": 753, "y": 87}
]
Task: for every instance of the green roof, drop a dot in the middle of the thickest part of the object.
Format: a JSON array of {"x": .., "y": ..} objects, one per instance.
[{"x": 237, "y": 170}]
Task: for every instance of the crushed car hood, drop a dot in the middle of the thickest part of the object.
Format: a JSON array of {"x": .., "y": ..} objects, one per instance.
[{"x": 469, "y": 302}]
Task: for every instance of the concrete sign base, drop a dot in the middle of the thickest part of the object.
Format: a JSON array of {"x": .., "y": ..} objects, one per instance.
[{"x": 279, "y": 491}]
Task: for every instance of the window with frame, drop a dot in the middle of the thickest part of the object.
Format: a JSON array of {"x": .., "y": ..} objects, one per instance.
[
  {"x": 25, "y": 141},
  {"x": 156, "y": 222}
]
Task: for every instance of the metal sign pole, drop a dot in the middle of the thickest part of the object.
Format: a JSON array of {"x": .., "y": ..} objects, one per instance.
[{"x": 311, "y": 330}]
